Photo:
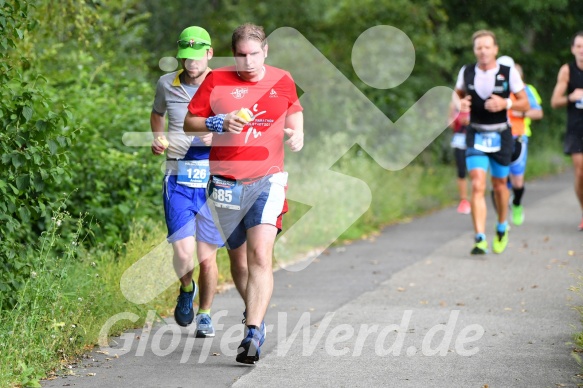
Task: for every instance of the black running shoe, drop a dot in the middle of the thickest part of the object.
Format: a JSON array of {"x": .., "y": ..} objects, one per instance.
[{"x": 184, "y": 312}]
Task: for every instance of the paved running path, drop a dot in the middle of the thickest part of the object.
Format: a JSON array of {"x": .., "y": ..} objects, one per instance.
[{"x": 409, "y": 308}]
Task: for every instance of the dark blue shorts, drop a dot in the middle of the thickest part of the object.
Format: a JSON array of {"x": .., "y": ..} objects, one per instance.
[{"x": 262, "y": 202}]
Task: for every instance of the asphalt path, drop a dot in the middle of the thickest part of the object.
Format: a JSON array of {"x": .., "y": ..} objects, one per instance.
[{"x": 409, "y": 307}]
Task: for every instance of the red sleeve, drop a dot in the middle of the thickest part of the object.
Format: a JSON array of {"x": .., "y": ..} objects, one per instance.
[
  {"x": 293, "y": 105},
  {"x": 200, "y": 104}
]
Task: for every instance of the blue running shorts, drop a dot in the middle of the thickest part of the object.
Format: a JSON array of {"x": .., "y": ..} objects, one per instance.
[
  {"x": 518, "y": 166},
  {"x": 187, "y": 213},
  {"x": 482, "y": 160}
]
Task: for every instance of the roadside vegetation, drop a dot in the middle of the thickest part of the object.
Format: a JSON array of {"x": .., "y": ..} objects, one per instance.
[{"x": 79, "y": 207}]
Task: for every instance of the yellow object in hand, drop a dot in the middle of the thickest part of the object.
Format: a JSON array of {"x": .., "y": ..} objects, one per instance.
[
  {"x": 245, "y": 114},
  {"x": 163, "y": 141}
]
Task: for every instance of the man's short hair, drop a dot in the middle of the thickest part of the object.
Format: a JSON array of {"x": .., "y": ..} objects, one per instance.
[
  {"x": 580, "y": 33},
  {"x": 480, "y": 33},
  {"x": 248, "y": 31}
]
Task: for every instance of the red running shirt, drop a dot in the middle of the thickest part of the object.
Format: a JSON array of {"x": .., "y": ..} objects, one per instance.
[{"x": 259, "y": 149}]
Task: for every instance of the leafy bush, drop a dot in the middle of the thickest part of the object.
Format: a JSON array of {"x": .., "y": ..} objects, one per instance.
[
  {"x": 106, "y": 87},
  {"x": 90, "y": 57},
  {"x": 32, "y": 143}
]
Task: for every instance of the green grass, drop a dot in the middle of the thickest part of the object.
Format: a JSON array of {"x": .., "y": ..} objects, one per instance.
[
  {"x": 64, "y": 304},
  {"x": 69, "y": 296},
  {"x": 578, "y": 335}
]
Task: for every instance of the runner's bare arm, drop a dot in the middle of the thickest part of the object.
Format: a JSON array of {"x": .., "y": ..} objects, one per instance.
[
  {"x": 194, "y": 123},
  {"x": 157, "y": 124},
  {"x": 462, "y": 101},
  {"x": 534, "y": 114},
  {"x": 294, "y": 129},
  {"x": 521, "y": 104},
  {"x": 496, "y": 103},
  {"x": 559, "y": 98}
]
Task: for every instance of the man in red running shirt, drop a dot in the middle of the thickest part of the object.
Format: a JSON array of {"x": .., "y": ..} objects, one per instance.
[{"x": 248, "y": 181}]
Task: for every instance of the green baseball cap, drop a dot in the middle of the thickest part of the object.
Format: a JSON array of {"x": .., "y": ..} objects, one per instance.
[{"x": 193, "y": 43}]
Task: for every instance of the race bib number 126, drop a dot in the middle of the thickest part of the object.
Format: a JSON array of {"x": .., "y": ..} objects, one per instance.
[{"x": 193, "y": 173}]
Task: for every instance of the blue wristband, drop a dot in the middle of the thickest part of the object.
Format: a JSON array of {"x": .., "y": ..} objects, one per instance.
[{"x": 215, "y": 123}]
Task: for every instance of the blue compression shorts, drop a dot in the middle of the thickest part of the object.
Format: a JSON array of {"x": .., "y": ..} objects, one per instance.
[{"x": 481, "y": 160}]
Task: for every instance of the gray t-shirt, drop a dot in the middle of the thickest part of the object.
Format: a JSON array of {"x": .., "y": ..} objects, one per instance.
[{"x": 173, "y": 97}]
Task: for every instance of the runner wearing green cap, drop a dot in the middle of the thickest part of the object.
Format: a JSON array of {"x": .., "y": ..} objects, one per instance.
[
  {"x": 185, "y": 180},
  {"x": 194, "y": 43}
]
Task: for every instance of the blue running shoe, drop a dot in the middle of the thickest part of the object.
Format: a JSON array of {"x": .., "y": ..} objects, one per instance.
[
  {"x": 250, "y": 348},
  {"x": 184, "y": 313},
  {"x": 262, "y": 328},
  {"x": 204, "y": 326}
]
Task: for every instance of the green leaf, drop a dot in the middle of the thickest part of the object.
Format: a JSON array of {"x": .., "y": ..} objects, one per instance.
[
  {"x": 24, "y": 214},
  {"x": 124, "y": 209},
  {"x": 27, "y": 113},
  {"x": 22, "y": 182},
  {"x": 16, "y": 160},
  {"x": 39, "y": 185},
  {"x": 53, "y": 146},
  {"x": 14, "y": 189},
  {"x": 19, "y": 142},
  {"x": 41, "y": 125}
]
